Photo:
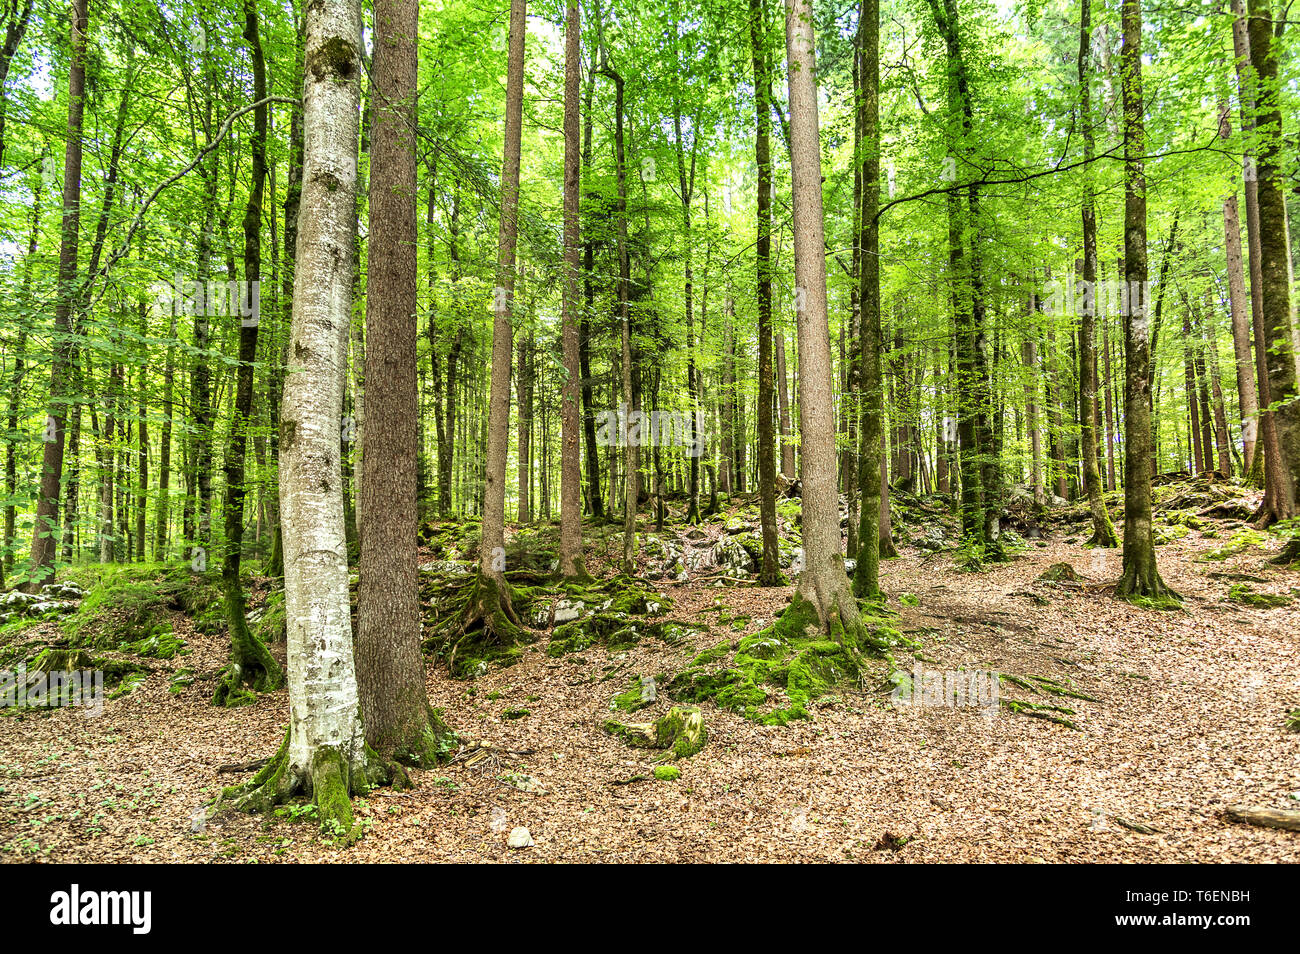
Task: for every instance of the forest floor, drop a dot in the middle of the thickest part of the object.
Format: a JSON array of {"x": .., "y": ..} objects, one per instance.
[{"x": 1188, "y": 719}]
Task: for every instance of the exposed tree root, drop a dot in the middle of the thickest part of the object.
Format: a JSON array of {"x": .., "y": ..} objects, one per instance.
[
  {"x": 330, "y": 781},
  {"x": 488, "y": 624},
  {"x": 251, "y": 663}
]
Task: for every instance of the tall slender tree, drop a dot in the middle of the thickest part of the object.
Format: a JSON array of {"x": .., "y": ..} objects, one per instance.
[
  {"x": 400, "y": 724},
  {"x": 251, "y": 662},
  {"x": 1140, "y": 577},
  {"x": 45, "y": 529},
  {"x": 324, "y": 751},
  {"x": 823, "y": 585},
  {"x": 571, "y": 561}
]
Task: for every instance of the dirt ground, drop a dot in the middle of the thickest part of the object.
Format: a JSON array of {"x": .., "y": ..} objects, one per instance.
[{"x": 1189, "y": 720}]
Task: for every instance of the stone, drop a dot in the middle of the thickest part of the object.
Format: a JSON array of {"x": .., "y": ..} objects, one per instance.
[{"x": 519, "y": 838}]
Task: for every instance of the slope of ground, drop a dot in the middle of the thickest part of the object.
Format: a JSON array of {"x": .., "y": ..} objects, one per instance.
[{"x": 1188, "y": 718}]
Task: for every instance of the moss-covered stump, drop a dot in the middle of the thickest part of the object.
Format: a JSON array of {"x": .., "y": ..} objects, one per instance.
[
  {"x": 787, "y": 666},
  {"x": 680, "y": 732}
]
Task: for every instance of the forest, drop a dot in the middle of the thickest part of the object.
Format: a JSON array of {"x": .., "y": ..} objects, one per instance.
[{"x": 649, "y": 431}]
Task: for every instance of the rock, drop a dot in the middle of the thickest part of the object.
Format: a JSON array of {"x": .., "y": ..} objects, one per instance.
[
  {"x": 525, "y": 783},
  {"x": 41, "y": 607},
  {"x": 731, "y": 553},
  {"x": 931, "y": 539},
  {"x": 519, "y": 838},
  {"x": 566, "y": 611},
  {"x": 447, "y": 567},
  {"x": 649, "y": 691}
]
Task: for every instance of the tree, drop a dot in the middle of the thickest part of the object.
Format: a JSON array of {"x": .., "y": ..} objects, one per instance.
[
  {"x": 823, "y": 585},
  {"x": 324, "y": 751},
  {"x": 400, "y": 724},
  {"x": 769, "y": 571},
  {"x": 1275, "y": 264},
  {"x": 571, "y": 563},
  {"x": 1103, "y": 532},
  {"x": 491, "y": 604},
  {"x": 251, "y": 662},
  {"x": 866, "y": 575},
  {"x": 1139, "y": 578},
  {"x": 44, "y": 532}
]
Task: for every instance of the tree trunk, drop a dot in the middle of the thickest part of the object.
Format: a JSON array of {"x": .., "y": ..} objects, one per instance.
[
  {"x": 1274, "y": 258},
  {"x": 400, "y": 725},
  {"x": 251, "y": 663},
  {"x": 46, "y": 526},
  {"x": 571, "y": 561},
  {"x": 1103, "y": 533},
  {"x": 492, "y": 603},
  {"x": 1247, "y": 396},
  {"x": 594, "y": 495},
  {"x": 783, "y": 401},
  {"x": 871, "y": 478},
  {"x": 823, "y": 582},
  {"x": 324, "y": 752},
  {"x": 770, "y": 570},
  {"x": 1140, "y": 577}
]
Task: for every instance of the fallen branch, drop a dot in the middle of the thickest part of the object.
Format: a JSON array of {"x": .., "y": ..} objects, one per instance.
[{"x": 1288, "y": 819}]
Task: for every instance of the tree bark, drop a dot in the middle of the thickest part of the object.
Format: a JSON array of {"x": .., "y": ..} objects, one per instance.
[
  {"x": 1247, "y": 395},
  {"x": 571, "y": 560},
  {"x": 250, "y": 662},
  {"x": 45, "y": 530},
  {"x": 871, "y": 478},
  {"x": 770, "y": 569},
  {"x": 823, "y": 582},
  {"x": 1103, "y": 533},
  {"x": 492, "y": 603},
  {"x": 1274, "y": 257},
  {"x": 324, "y": 752},
  {"x": 1140, "y": 578},
  {"x": 400, "y": 725}
]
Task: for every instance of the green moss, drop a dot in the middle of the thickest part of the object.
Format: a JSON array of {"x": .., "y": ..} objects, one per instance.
[
  {"x": 680, "y": 732},
  {"x": 667, "y": 773},
  {"x": 132, "y": 611},
  {"x": 633, "y": 698},
  {"x": 1244, "y": 593},
  {"x": 515, "y": 713},
  {"x": 331, "y": 791},
  {"x": 1239, "y": 542},
  {"x": 791, "y": 663}
]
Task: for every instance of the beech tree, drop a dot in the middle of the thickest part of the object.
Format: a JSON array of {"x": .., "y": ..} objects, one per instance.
[{"x": 324, "y": 751}]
